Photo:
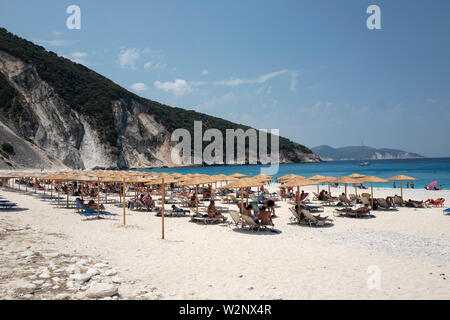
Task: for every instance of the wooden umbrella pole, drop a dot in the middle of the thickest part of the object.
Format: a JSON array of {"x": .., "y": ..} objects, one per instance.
[
  {"x": 298, "y": 202},
  {"x": 67, "y": 190},
  {"x": 401, "y": 189},
  {"x": 51, "y": 190},
  {"x": 59, "y": 192},
  {"x": 371, "y": 191},
  {"x": 123, "y": 202},
  {"x": 242, "y": 205},
  {"x": 162, "y": 206},
  {"x": 106, "y": 192},
  {"x": 98, "y": 195},
  {"x": 196, "y": 199}
]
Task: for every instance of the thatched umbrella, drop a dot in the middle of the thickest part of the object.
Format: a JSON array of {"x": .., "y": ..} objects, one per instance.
[
  {"x": 238, "y": 175},
  {"x": 357, "y": 176},
  {"x": 195, "y": 182},
  {"x": 299, "y": 182},
  {"x": 372, "y": 180},
  {"x": 162, "y": 180},
  {"x": 401, "y": 178},
  {"x": 317, "y": 177},
  {"x": 244, "y": 183}
]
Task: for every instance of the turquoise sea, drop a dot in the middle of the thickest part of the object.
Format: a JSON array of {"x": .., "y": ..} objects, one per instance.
[{"x": 424, "y": 170}]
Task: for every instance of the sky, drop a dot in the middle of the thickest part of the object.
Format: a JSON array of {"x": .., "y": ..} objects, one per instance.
[{"x": 311, "y": 69}]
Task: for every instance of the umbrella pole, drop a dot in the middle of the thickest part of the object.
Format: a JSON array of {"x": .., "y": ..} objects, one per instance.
[
  {"x": 162, "y": 206},
  {"x": 98, "y": 195},
  {"x": 59, "y": 192},
  {"x": 106, "y": 192},
  {"x": 123, "y": 202},
  {"x": 298, "y": 202},
  {"x": 401, "y": 189},
  {"x": 371, "y": 191},
  {"x": 196, "y": 199},
  {"x": 67, "y": 190},
  {"x": 242, "y": 205}
]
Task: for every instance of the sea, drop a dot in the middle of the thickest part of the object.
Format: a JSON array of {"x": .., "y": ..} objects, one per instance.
[{"x": 425, "y": 170}]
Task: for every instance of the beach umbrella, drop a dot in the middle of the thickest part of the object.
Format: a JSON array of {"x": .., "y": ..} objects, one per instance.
[
  {"x": 289, "y": 176},
  {"x": 357, "y": 176},
  {"x": 196, "y": 181},
  {"x": 317, "y": 177},
  {"x": 299, "y": 182},
  {"x": 372, "y": 180},
  {"x": 238, "y": 175},
  {"x": 162, "y": 180},
  {"x": 432, "y": 185},
  {"x": 241, "y": 184},
  {"x": 401, "y": 178}
]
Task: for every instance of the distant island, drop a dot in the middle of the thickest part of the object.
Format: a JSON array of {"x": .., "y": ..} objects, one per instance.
[{"x": 328, "y": 153}]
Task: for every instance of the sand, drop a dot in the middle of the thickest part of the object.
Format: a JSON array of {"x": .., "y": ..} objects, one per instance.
[{"x": 403, "y": 254}]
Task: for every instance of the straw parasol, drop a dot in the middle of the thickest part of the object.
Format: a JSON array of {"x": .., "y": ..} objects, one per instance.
[
  {"x": 162, "y": 180},
  {"x": 401, "y": 178},
  {"x": 243, "y": 183},
  {"x": 299, "y": 182},
  {"x": 317, "y": 177},
  {"x": 357, "y": 176},
  {"x": 238, "y": 175},
  {"x": 196, "y": 181},
  {"x": 372, "y": 180}
]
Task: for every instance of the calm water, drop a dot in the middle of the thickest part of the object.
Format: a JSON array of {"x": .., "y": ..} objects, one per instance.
[{"x": 424, "y": 170}]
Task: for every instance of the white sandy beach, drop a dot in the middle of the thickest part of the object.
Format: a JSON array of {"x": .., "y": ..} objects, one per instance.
[{"x": 410, "y": 247}]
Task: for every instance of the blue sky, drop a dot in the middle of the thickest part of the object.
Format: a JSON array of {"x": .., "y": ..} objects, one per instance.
[{"x": 310, "y": 68}]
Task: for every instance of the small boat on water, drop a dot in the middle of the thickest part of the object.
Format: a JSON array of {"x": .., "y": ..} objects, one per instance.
[{"x": 364, "y": 163}]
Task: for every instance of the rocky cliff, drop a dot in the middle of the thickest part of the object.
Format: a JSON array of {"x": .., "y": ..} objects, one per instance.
[{"x": 58, "y": 113}]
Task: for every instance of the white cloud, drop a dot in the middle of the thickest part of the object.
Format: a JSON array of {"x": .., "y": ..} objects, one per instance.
[
  {"x": 179, "y": 87},
  {"x": 259, "y": 80},
  {"x": 139, "y": 86},
  {"x": 205, "y": 72},
  {"x": 151, "y": 65},
  {"x": 128, "y": 57},
  {"x": 78, "y": 57}
]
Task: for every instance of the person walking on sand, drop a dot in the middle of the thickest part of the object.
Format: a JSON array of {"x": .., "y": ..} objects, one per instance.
[{"x": 395, "y": 186}]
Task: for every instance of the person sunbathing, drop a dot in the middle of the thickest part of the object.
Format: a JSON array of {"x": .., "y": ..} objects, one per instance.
[
  {"x": 247, "y": 211},
  {"x": 213, "y": 213},
  {"x": 390, "y": 201},
  {"x": 360, "y": 210},
  {"x": 91, "y": 205},
  {"x": 414, "y": 204},
  {"x": 148, "y": 202},
  {"x": 302, "y": 216},
  {"x": 270, "y": 205},
  {"x": 264, "y": 217},
  {"x": 438, "y": 201},
  {"x": 192, "y": 201}
]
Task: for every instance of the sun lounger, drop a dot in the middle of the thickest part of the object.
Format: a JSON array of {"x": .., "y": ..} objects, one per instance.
[
  {"x": 313, "y": 220},
  {"x": 446, "y": 211},
  {"x": 205, "y": 220},
  {"x": 438, "y": 203},
  {"x": 252, "y": 225},
  {"x": 351, "y": 214},
  {"x": 7, "y": 205},
  {"x": 383, "y": 205},
  {"x": 365, "y": 201}
]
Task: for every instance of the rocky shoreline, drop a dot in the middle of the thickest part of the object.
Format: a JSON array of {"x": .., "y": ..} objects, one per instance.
[{"x": 31, "y": 271}]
